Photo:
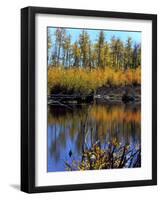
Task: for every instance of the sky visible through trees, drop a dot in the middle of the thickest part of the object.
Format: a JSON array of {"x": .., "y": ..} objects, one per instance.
[
  {"x": 94, "y": 98},
  {"x": 89, "y": 48}
]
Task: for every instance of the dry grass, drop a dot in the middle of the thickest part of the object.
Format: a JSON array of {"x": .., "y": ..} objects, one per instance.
[{"x": 86, "y": 81}]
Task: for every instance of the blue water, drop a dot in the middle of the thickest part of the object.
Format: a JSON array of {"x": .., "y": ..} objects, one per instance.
[{"x": 66, "y": 140}]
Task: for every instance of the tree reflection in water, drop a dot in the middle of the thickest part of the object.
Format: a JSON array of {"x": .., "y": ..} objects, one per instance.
[{"x": 74, "y": 131}]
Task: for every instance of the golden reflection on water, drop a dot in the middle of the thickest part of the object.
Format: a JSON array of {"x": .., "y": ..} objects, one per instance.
[
  {"x": 76, "y": 128},
  {"x": 103, "y": 119}
]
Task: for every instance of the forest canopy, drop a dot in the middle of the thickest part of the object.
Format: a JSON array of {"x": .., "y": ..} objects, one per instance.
[
  {"x": 85, "y": 52},
  {"x": 83, "y": 64}
]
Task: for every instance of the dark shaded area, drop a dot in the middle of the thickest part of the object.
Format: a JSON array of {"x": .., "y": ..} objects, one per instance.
[{"x": 125, "y": 94}]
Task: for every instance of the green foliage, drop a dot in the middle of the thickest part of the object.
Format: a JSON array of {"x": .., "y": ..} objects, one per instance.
[{"x": 96, "y": 54}]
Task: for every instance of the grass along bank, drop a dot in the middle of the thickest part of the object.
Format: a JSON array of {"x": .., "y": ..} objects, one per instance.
[{"x": 86, "y": 81}]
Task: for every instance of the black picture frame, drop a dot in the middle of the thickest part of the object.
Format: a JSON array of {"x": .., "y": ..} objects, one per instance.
[{"x": 28, "y": 98}]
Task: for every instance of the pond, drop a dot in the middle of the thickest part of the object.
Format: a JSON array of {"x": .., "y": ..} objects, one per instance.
[{"x": 74, "y": 128}]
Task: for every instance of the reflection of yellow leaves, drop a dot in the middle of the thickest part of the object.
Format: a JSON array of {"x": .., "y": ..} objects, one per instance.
[
  {"x": 107, "y": 119},
  {"x": 114, "y": 141},
  {"x": 118, "y": 114}
]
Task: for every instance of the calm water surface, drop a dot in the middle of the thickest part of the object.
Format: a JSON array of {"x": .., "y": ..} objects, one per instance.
[{"x": 71, "y": 130}]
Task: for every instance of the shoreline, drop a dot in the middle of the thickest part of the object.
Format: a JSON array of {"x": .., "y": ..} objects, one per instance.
[
  {"x": 105, "y": 94},
  {"x": 116, "y": 94}
]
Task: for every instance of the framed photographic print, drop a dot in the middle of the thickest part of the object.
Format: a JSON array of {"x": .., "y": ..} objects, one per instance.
[{"x": 88, "y": 99}]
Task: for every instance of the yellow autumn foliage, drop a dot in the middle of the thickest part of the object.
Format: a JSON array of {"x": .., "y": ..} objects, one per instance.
[{"x": 85, "y": 81}]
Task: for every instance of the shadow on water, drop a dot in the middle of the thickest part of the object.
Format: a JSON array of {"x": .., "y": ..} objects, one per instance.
[{"x": 72, "y": 131}]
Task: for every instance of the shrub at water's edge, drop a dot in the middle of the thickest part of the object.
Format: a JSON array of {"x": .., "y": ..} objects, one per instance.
[
  {"x": 114, "y": 156},
  {"x": 87, "y": 81}
]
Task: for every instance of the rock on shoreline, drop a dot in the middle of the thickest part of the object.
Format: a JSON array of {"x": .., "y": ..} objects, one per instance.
[{"x": 119, "y": 94}]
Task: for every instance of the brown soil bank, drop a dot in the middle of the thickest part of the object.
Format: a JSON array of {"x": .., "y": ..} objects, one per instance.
[{"x": 119, "y": 94}]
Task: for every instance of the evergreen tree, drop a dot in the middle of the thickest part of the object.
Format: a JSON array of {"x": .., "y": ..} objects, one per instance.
[
  {"x": 84, "y": 46},
  {"x": 100, "y": 51},
  {"x": 76, "y": 54},
  {"x": 128, "y": 54},
  {"x": 136, "y": 56},
  {"x": 83, "y": 53}
]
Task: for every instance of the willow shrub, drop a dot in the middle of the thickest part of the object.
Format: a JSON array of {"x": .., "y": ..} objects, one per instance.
[
  {"x": 114, "y": 155},
  {"x": 86, "y": 81}
]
